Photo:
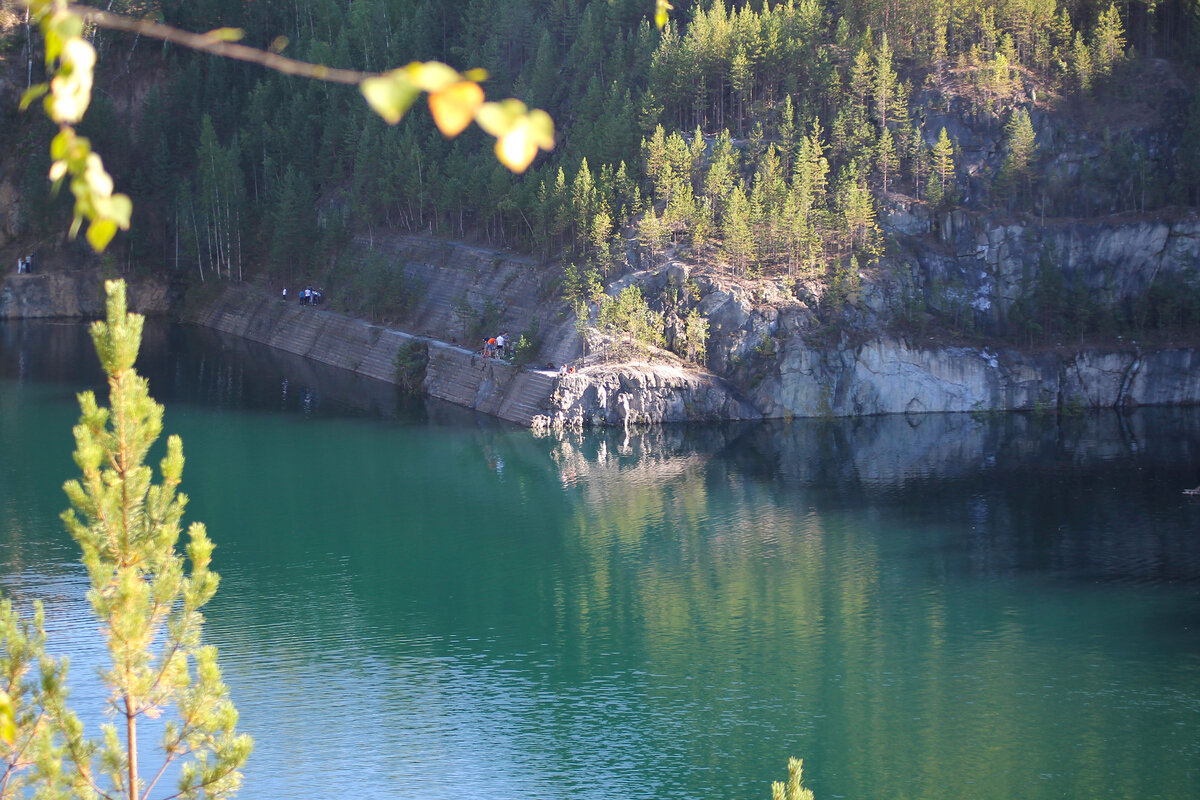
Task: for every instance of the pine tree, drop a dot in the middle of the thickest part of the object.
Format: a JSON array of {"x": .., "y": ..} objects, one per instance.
[
  {"x": 860, "y": 84},
  {"x": 794, "y": 788},
  {"x": 943, "y": 169},
  {"x": 1081, "y": 64},
  {"x": 884, "y": 84},
  {"x": 738, "y": 230},
  {"x": 146, "y": 601},
  {"x": 32, "y": 684},
  {"x": 885, "y": 156},
  {"x": 653, "y": 234},
  {"x": 722, "y": 174},
  {"x": 1021, "y": 145},
  {"x": 1108, "y": 41}
]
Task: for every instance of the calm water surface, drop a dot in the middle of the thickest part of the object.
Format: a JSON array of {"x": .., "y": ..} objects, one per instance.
[{"x": 417, "y": 602}]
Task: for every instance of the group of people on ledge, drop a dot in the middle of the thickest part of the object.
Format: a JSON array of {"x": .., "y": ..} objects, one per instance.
[
  {"x": 494, "y": 347},
  {"x": 24, "y": 265},
  {"x": 308, "y": 296}
]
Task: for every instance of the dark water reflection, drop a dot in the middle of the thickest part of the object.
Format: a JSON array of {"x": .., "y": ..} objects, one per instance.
[{"x": 420, "y": 602}]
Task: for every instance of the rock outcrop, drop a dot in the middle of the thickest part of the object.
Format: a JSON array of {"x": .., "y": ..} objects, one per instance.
[
  {"x": 74, "y": 295},
  {"x": 890, "y": 376},
  {"x": 629, "y": 394}
]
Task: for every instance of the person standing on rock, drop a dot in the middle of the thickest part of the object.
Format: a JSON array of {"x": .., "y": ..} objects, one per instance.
[{"x": 500, "y": 345}]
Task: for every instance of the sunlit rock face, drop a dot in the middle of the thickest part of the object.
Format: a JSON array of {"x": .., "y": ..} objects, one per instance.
[
  {"x": 614, "y": 394},
  {"x": 888, "y": 376}
]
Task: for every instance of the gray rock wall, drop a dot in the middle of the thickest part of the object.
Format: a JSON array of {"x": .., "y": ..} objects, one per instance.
[
  {"x": 49, "y": 295},
  {"x": 970, "y": 263},
  {"x": 453, "y": 374},
  {"x": 890, "y": 376},
  {"x": 615, "y": 394}
]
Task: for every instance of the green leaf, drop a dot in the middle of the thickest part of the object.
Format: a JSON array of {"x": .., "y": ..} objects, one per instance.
[
  {"x": 226, "y": 34},
  {"x": 100, "y": 233},
  {"x": 33, "y": 93},
  {"x": 390, "y": 94},
  {"x": 61, "y": 142}
]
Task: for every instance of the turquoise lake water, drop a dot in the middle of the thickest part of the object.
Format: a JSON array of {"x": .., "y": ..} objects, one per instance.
[{"x": 418, "y": 602}]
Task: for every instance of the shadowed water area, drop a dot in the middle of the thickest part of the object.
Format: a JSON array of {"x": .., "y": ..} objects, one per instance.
[{"x": 417, "y": 602}]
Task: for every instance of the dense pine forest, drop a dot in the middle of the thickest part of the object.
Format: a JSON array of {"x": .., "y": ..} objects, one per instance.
[{"x": 763, "y": 136}]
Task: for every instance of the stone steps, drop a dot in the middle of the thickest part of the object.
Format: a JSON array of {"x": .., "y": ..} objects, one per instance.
[{"x": 528, "y": 397}]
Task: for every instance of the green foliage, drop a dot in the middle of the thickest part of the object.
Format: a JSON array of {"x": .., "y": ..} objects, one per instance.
[
  {"x": 941, "y": 184},
  {"x": 373, "y": 287},
  {"x": 1108, "y": 41},
  {"x": 527, "y": 345},
  {"x": 842, "y": 285},
  {"x": 629, "y": 314},
  {"x": 802, "y": 107},
  {"x": 33, "y": 684},
  {"x": 478, "y": 324},
  {"x": 409, "y": 364},
  {"x": 580, "y": 287},
  {"x": 794, "y": 788},
  {"x": 147, "y": 598},
  {"x": 695, "y": 334},
  {"x": 1020, "y": 145}
]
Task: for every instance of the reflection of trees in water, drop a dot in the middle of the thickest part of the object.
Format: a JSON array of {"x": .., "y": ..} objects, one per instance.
[{"x": 771, "y": 559}]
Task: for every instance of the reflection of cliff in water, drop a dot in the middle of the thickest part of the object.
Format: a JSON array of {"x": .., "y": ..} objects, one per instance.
[
  {"x": 1094, "y": 496},
  {"x": 42, "y": 350}
]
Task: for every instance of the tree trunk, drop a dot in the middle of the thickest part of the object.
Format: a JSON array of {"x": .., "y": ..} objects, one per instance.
[{"x": 131, "y": 743}]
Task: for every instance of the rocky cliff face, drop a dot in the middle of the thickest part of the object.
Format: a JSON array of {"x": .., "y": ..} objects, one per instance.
[
  {"x": 769, "y": 356},
  {"x": 788, "y": 365},
  {"x": 631, "y": 394},
  {"x": 73, "y": 295},
  {"x": 961, "y": 263}
]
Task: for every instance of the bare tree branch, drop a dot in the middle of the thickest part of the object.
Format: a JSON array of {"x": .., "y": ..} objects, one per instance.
[{"x": 207, "y": 43}]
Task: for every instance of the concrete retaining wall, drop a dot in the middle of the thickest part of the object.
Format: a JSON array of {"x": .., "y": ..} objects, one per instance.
[{"x": 453, "y": 374}]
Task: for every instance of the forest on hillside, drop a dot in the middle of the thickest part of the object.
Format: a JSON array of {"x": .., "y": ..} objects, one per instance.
[{"x": 762, "y": 133}]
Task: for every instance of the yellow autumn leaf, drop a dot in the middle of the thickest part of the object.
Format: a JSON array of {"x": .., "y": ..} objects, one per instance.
[
  {"x": 116, "y": 208},
  {"x": 541, "y": 127},
  {"x": 8, "y": 727},
  {"x": 226, "y": 34},
  {"x": 454, "y": 107},
  {"x": 100, "y": 233},
  {"x": 98, "y": 179},
  {"x": 390, "y": 94},
  {"x": 516, "y": 149},
  {"x": 660, "y": 12},
  {"x": 71, "y": 88},
  {"x": 431, "y": 76},
  {"x": 519, "y": 133},
  {"x": 499, "y": 118}
]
